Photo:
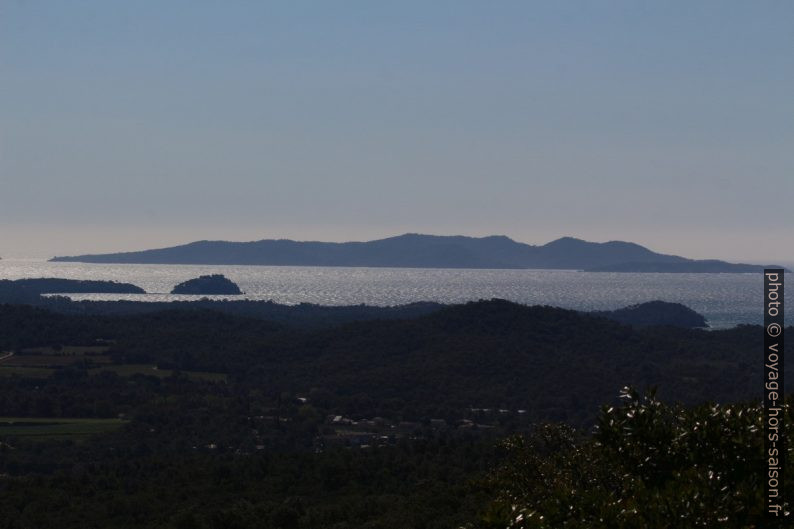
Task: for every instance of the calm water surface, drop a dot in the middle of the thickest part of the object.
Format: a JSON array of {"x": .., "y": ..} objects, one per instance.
[{"x": 725, "y": 299}]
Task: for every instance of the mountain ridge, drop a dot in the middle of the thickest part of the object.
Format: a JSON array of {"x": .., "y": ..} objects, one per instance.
[{"x": 414, "y": 250}]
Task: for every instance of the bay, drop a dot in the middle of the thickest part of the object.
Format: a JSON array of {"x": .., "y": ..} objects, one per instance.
[{"x": 724, "y": 299}]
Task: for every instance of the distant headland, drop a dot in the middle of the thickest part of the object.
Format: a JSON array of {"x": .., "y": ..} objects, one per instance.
[{"x": 425, "y": 251}]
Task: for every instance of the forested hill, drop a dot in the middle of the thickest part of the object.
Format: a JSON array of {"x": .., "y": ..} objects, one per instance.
[
  {"x": 412, "y": 251},
  {"x": 492, "y": 354},
  {"x": 310, "y": 316},
  {"x": 200, "y": 419}
]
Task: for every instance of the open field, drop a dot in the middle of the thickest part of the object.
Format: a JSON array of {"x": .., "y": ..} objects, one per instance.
[
  {"x": 23, "y": 371},
  {"x": 55, "y": 428},
  {"x": 50, "y": 357},
  {"x": 42, "y": 360},
  {"x": 128, "y": 370},
  {"x": 67, "y": 350}
]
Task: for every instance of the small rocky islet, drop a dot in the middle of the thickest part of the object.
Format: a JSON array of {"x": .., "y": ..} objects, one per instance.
[{"x": 215, "y": 284}]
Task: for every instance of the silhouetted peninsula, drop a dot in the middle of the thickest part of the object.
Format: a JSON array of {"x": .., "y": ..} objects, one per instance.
[
  {"x": 413, "y": 251},
  {"x": 656, "y": 313},
  {"x": 30, "y": 290},
  {"x": 214, "y": 284},
  {"x": 687, "y": 267},
  {"x": 56, "y": 285}
]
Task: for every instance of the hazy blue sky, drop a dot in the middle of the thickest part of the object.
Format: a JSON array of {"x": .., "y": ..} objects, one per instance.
[{"x": 128, "y": 125}]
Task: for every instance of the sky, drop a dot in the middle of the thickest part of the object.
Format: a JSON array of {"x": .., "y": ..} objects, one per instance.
[{"x": 132, "y": 125}]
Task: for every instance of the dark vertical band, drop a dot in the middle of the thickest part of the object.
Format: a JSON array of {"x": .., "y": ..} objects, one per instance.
[{"x": 774, "y": 391}]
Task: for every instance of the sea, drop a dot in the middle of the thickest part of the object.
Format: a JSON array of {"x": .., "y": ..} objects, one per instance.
[{"x": 725, "y": 300}]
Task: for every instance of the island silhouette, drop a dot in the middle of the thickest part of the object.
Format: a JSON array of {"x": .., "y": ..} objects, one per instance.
[
  {"x": 414, "y": 250},
  {"x": 210, "y": 284}
]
